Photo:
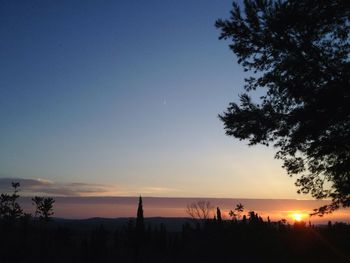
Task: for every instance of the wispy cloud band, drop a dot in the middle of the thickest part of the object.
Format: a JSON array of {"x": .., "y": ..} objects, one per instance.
[{"x": 30, "y": 187}]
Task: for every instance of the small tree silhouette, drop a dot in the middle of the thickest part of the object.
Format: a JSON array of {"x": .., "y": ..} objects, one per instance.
[
  {"x": 9, "y": 207},
  {"x": 218, "y": 215},
  {"x": 37, "y": 202},
  {"x": 43, "y": 207},
  {"x": 244, "y": 219},
  {"x": 199, "y": 210},
  {"x": 237, "y": 212}
]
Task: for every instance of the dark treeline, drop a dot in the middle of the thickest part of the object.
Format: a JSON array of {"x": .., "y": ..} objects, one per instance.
[
  {"x": 243, "y": 239},
  {"x": 250, "y": 240}
]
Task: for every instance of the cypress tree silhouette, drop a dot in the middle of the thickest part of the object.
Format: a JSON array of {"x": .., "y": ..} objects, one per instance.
[
  {"x": 140, "y": 226},
  {"x": 218, "y": 215}
]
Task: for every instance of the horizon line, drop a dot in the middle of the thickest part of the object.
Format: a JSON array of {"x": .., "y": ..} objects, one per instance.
[{"x": 173, "y": 197}]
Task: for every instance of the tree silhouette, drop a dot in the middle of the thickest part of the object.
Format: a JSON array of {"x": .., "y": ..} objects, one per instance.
[
  {"x": 140, "y": 225},
  {"x": 244, "y": 219},
  {"x": 37, "y": 202},
  {"x": 43, "y": 207},
  {"x": 298, "y": 52},
  {"x": 237, "y": 212},
  {"x": 10, "y": 209},
  {"x": 218, "y": 215},
  {"x": 199, "y": 210}
]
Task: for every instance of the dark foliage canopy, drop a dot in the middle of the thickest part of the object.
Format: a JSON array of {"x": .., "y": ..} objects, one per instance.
[{"x": 298, "y": 53}]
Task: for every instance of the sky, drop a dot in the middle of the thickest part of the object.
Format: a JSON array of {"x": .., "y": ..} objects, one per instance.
[{"x": 121, "y": 98}]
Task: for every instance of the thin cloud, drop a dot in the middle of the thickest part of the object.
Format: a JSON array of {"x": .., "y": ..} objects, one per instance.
[
  {"x": 47, "y": 187},
  {"x": 5, "y": 183},
  {"x": 31, "y": 187}
]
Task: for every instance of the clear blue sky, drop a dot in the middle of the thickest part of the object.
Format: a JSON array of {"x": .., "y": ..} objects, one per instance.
[{"x": 123, "y": 96}]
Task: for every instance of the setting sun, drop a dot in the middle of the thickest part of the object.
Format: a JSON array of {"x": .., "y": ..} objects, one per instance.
[{"x": 297, "y": 217}]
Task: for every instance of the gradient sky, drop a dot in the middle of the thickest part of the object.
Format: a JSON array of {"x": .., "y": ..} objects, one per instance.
[{"x": 122, "y": 98}]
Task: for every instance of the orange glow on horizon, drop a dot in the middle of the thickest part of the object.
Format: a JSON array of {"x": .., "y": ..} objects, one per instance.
[
  {"x": 114, "y": 207},
  {"x": 297, "y": 216}
]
